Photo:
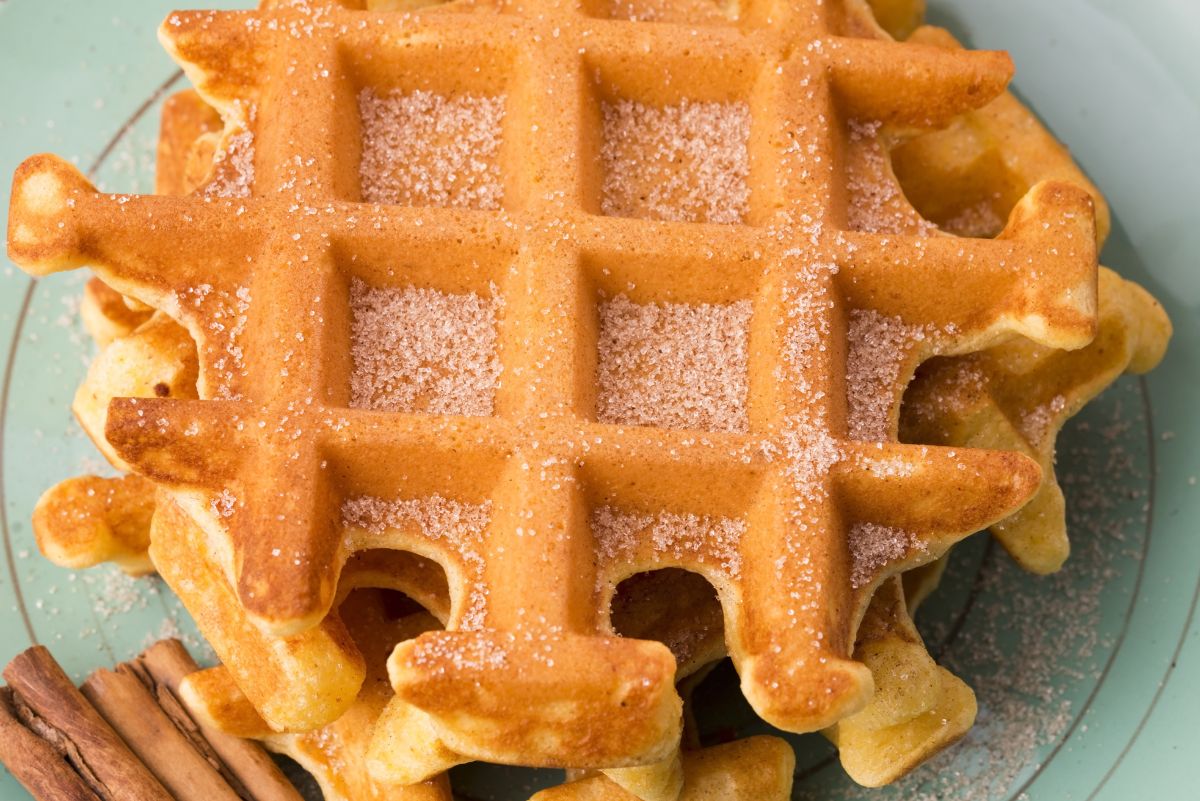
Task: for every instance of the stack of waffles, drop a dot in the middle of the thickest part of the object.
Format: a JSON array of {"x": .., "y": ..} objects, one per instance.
[{"x": 483, "y": 372}]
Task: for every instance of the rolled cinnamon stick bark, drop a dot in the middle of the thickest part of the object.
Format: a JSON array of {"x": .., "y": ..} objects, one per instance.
[
  {"x": 42, "y": 770},
  {"x": 167, "y": 662},
  {"x": 48, "y": 704},
  {"x": 134, "y": 713}
]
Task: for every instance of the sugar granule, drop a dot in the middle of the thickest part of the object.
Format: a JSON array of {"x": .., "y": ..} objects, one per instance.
[
  {"x": 674, "y": 365},
  {"x": 877, "y": 204},
  {"x": 459, "y": 525},
  {"x": 873, "y": 547},
  {"x": 684, "y": 163},
  {"x": 710, "y": 540},
  {"x": 233, "y": 168},
  {"x": 425, "y": 149},
  {"x": 877, "y": 347},
  {"x": 423, "y": 351}
]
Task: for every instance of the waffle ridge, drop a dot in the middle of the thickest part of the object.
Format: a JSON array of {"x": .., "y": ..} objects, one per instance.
[{"x": 262, "y": 281}]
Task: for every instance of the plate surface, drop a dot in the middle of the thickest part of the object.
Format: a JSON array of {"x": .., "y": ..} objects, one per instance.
[{"x": 1088, "y": 681}]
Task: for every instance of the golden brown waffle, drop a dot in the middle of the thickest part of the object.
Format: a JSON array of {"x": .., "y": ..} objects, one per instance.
[
  {"x": 1018, "y": 396},
  {"x": 898, "y": 17},
  {"x": 967, "y": 177},
  {"x": 919, "y": 708},
  {"x": 189, "y": 135},
  {"x": 890, "y": 750},
  {"x": 157, "y": 359},
  {"x": 908, "y": 721},
  {"x": 87, "y": 520},
  {"x": 274, "y": 450},
  {"x": 106, "y": 314},
  {"x": 336, "y": 754},
  {"x": 753, "y": 769}
]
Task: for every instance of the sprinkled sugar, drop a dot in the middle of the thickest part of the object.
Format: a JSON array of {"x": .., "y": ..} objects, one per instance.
[
  {"x": 674, "y": 365},
  {"x": 234, "y": 168},
  {"x": 877, "y": 348},
  {"x": 423, "y": 351},
  {"x": 683, "y": 163},
  {"x": 877, "y": 204},
  {"x": 437, "y": 517},
  {"x": 424, "y": 149},
  {"x": 1035, "y": 425},
  {"x": 708, "y": 540},
  {"x": 873, "y": 547}
]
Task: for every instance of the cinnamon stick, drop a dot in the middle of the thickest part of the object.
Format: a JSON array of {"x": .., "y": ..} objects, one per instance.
[
  {"x": 244, "y": 763},
  {"x": 50, "y": 705},
  {"x": 134, "y": 713},
  {"x": 36, "y": 765}
]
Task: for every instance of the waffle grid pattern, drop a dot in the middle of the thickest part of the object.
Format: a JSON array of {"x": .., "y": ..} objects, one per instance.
[{"x": 287, "y": 450}]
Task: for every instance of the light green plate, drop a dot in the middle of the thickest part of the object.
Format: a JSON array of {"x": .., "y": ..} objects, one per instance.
[{"x": 1088, "y": 682}]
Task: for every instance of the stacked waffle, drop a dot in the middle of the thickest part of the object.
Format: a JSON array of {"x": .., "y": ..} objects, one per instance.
[{"x": 485, "y": 371}]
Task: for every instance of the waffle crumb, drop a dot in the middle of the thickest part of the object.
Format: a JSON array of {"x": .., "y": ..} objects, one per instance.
[
  {"x": 425, "y": 149},
  {"x": 684, "y": 163},
  {"x": 423, "y": 351},
  {"x": 674, "y": 365}
]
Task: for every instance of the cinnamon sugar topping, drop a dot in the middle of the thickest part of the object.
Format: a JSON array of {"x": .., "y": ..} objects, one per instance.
[
  {"x": 878, "y": 346},
  {"x": 873, "y": 547},
  {"x": 877, "y": 203},
  {"x": 233, "y": 168},
  {"x": 673, "y": 364},
  {"x": 705, "y": 539},
  {"x": 683, "y": 163},
  {"x": 437, "y": 519},
  {"x": 424, "y": 149},
  {"x": 423, "y": 351}
]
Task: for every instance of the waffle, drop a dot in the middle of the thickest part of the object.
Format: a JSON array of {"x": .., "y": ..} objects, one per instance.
[
  {"x": 157, "y": 359},
  {"x": 107, "y": 314},
  {"x": 919, "y": 708},
  {"x": 87, "y": 520},
  {"x": 1018, "y": 397},
  {"x": 753, "y": 769},
  {"x": 336, "y": 754},
  {"x": 967, "y": 177},
  {"x": 900, "y": 18},
  {"x": 190, "y": 133},
  {"x": 677, "y": 634},
  {"x": 284, "y": 450}
]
